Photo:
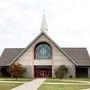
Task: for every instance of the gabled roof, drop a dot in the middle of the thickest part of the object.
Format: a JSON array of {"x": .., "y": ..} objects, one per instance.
[
  {"x": 79, "y": 55},
  {"x": 43, "y": 33},
  {"x": 8, "y": 55},
  {"x": 76, "y": 56}
]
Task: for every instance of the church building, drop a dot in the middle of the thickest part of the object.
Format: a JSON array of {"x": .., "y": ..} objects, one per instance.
[{"x": 42, "y": 56}]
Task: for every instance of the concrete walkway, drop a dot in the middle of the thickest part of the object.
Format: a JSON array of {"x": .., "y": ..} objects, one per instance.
[
  {"x": 12, "y": 82},
  {"x": 33, "y": 85}
]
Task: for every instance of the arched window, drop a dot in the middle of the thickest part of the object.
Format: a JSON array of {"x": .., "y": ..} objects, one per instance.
[{"x": 43, "y": 51}]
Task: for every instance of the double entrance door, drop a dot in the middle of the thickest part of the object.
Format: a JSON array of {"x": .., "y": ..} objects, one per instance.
[{"x": 42, "y": 72}]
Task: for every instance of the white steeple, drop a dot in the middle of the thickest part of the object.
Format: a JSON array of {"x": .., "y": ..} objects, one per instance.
[{"x": 44, "y": 26}]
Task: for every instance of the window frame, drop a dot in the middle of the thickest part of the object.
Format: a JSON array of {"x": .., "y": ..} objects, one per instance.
[{"x": 37, "y": 46}]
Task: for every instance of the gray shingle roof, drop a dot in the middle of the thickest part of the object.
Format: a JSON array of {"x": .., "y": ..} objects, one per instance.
[
  {"x": 8, "y": 55},
  {"x": 79, "y": 55}
]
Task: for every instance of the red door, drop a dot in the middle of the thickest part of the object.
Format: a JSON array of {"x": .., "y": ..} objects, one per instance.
[{"x": 43, "y": 74}]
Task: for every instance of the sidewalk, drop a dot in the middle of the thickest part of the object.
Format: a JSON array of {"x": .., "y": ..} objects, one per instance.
[{"x": 33, "y": 85}]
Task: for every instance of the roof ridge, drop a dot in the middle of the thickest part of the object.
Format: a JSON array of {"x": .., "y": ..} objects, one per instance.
[{"x": 50, "y": 41}]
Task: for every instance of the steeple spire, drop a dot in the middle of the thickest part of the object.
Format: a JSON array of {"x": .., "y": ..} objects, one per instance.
[{"x": 44, "y": 26}]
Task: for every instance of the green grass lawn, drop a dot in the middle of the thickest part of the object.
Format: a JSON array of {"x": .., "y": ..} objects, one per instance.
[
  {"x": 62, "y": 87},
  {"x": 9, "y": 83},
  {"x": 8, "y": 86},
  {"x": 84, "y": 79},
  {"x": 70, "y": 84}
]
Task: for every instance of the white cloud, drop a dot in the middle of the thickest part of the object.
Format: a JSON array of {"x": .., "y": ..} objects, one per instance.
[{"x": 69, "y": 20}]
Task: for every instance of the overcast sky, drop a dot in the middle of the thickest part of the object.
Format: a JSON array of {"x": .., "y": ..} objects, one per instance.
[{"x": 68, "y": 22}]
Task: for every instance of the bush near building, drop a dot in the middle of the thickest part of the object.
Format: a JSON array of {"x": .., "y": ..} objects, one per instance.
[
  {"x": 16, "y": 70},
  {"x": 61, "y": 71}
]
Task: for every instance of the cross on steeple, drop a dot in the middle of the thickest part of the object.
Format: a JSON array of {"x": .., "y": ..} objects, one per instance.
[{"x": 44, "y": 26}]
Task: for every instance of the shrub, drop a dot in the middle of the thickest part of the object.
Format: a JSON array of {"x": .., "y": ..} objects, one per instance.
[
  {"x": 61, "y": 71},
  {"x": 16, "y": 70},
  {"x": 70, "y": 76}
]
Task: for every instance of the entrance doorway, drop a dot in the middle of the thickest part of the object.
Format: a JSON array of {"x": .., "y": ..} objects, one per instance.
[{"x": 43, "y": 71}]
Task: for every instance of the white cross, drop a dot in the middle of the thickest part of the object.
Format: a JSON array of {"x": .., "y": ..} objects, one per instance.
[{"x": 43, "y": 51}]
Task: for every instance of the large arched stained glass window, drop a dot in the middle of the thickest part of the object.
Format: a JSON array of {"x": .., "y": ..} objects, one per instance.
[{"x": 43, "y": 51}]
